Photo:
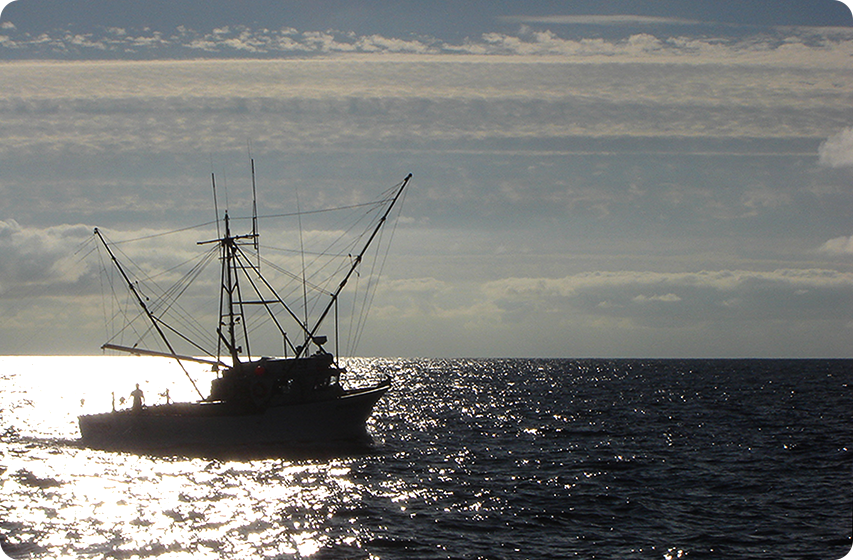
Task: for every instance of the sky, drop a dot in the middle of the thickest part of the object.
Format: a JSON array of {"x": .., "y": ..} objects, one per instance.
[{"x": 590, "y": 179}]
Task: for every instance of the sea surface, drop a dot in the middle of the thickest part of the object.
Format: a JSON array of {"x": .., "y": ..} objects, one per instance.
[{"x": 610, "y": 459}]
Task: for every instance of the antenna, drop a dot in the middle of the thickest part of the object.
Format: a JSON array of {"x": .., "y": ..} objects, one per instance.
[
  {"x": 215, "y": 206},
  {"x": 302, "y": 252},
  {"x": 255, "y": 239},
  {"x": 225, "y": 188}
]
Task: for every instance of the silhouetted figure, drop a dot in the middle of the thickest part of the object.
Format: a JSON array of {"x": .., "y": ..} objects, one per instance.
[{"x": 138, "y": 398}]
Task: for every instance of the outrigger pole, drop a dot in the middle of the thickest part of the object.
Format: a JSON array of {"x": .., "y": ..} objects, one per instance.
[
  {"x": 355, "y": 263},
  {"x": 144, "y": 352},
  {"x": 150, "y": 315}
]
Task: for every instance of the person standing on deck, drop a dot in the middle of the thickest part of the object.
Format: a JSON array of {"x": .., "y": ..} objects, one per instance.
[{"x": 138, "y": 398}]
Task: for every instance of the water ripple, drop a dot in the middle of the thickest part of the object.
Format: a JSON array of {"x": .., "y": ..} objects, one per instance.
[{"x": 473, "y": 459}]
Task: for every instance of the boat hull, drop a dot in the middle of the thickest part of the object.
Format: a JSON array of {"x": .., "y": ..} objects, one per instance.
[{"x": 217, "y": 426}]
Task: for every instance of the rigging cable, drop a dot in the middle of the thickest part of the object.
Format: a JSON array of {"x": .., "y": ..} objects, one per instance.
[{"x": 370, "y": 292}]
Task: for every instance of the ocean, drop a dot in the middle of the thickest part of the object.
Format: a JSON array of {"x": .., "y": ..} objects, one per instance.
[{"x": 497, "y": 459}]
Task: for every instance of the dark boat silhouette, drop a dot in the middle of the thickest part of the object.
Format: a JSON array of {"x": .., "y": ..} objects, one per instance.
[{"x": 267, "y": 401}]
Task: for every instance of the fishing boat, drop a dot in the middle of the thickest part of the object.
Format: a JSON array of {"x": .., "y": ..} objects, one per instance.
[{"x": 295, "y": 400}]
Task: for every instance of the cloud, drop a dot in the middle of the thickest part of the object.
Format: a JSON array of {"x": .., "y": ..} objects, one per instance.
[
  {"x": 837, "y": 150},
  {"x": 32, "y": 258},
  {"x": 122, "y": 107},
  {"x": 600, "y": 20},
  {"x": 783, "y": 48},
  {"x": 225, "y": 42},
  {"x": 634, "y": 313},
  {"x": 534, "y": 154},
  {"x": 838, "y": 246},
  {"x": 667, "y": 298},
  {"x": 680, "y": 297}
]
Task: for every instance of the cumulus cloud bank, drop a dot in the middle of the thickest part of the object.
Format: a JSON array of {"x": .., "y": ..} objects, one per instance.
[
  {"x": 704, "y": 295},
  {"x": 688, "y": 314},
  {"x": 242, "y": 41},
  {"x": 31, "y": 258},
  {"x": 837, "y": 151},
  {"x": 838, "y": 246}
]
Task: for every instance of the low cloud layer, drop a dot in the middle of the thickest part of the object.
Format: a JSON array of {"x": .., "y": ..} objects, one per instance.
[
  {"x": 684, "y": 297},
  {"x": 32, "y": 258},
  {"x": 803, "y": 312},
  {"x": 532, "y": 313},
  {"x": 838, "y": 246},
  {"x": 837, "y": 151}
]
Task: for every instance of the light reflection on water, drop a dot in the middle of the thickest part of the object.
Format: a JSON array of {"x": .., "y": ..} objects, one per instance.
[
  {"x": 625, "y": 459},
  {"x": 83, "y": 502},
  {"x": 59, "y": 499},
  {"x": 43, "y": 395}
]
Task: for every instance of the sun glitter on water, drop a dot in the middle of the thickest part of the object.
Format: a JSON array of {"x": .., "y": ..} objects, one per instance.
[
  {"x": 45, "y": 394},
  {"x": 66, "y": 499}
]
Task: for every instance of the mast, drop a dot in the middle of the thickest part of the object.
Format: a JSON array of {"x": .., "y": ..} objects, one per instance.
[
  {"x": 229, "y": 285},
  {"x": 150, "y": 315},
  {"x": 356, "y": 262},
  {"x": 233, "y": 260}
]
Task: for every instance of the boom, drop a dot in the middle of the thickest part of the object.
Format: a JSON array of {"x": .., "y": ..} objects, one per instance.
[{"x": 148, "y": 313}]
